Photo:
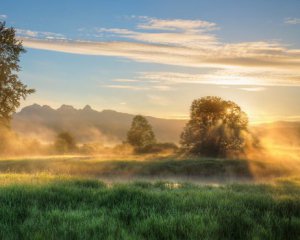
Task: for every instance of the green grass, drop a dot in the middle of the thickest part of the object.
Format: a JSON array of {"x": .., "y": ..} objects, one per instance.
[
  {"x": 75, "y": 208},
  {"x": 63, "y": 198},
  {"x": 221, "y": 169}
]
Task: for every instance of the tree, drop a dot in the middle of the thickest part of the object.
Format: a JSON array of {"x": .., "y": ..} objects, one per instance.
[
  {"x": 12, "y": 90},
  {"x": 216, "y": 128},
  {"x": 65, "y": 143},
  {"x": 140, "y": 134}
]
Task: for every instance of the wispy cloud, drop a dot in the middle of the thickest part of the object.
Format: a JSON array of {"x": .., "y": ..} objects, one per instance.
[
  {"x": 253, "y": 89},
  {"x": 175, "y": 24},
  {"x": 125, "y": 80},
  {"x": 39, "y": 35},
  {"x": 130, "y": 87},
  {"x": 251, "y": 55},
  {"x": 26, "y": 33},
  {"x": 222, "y": 77},
  {"x": 187, "y": 43},
  {"x": 180, "y": 32},
  {"x": 292, "y": 21},
  {"x": 3, "y": 16},
  {"x": 133, "y": 86},
  {"x": 190, "y": 39}
]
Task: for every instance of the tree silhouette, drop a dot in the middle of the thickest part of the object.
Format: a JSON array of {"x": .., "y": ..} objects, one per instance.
[
  {"x": 65, "y": 143},
  {"x": 216, "y": 128},
  {"x": 140, "y": 134},
  {"x": 12, "y": 90}
]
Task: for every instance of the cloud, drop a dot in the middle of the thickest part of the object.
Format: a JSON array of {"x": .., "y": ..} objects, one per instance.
[
  {"x": 190, "y": 39},
  {"x": 192, "y": 33},
  {"x": 39, "y": 35},
  {"x": 26, "y": 33},
  {"x": 136, "y": 87},
  {"x": 175, "y": 24},
  {"x": 188, "y": 43},
  {"x": 253, "y": 89},
  {"x": 251, "y": 55},
  {"x": 222, "y": 77},
  {"x": 126, "y": 87},
  {"x": 292, "y": 21},
  {"x": 3, "y": 16},
  {"x": 125, "y": 80}
]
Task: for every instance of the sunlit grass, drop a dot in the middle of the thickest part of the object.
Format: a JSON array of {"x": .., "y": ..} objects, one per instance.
[
  {"x": 152, "y": 167},
  {"x": 31, "y": 179}
]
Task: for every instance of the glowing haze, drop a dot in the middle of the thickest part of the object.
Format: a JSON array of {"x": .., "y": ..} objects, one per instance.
[{"x": 155, "y": 57}]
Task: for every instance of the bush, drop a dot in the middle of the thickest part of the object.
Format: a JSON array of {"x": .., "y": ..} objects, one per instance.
[
  {"x": 65, "y": 143},
  {"x": 92, "y": 148},
  {"x": 158, "y": 148}
]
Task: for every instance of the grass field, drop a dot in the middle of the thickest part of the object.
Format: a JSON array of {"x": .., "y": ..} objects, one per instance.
[
  {"x": 153, "y": 167},
  {"x": 51, "y": 207},
  {"x": 94, "y": 198}
]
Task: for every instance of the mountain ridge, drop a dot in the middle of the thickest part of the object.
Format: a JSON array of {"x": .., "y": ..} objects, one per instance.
[{"x": 87, "y": 124}]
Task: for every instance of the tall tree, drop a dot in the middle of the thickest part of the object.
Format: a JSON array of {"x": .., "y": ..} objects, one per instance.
[
  {"x": 140, "y": 134},
  {"x": 216, "y": 128},
  {"x": 12, "y": 90}
]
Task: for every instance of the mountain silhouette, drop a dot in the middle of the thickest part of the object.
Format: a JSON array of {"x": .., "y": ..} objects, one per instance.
[{"x": 87, "y": 124}]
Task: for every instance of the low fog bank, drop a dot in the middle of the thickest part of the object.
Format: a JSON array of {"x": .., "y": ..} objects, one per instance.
[
  {"x": 277, "y": 156},
  {"x": 276, "y": 140},
  {"x": 65, "y": 143}
]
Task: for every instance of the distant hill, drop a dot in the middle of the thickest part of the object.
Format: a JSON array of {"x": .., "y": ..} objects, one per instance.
[
  {"x": 87, "y": 124},
  {"x": 111, "y": 126}
]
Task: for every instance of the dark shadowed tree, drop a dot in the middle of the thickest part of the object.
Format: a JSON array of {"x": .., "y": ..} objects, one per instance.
[
  {"x": 140, "y": 135},
  {"x": 216, "y": 128},
  {"x": 12, "y": 90},
  {"x": 65, "y": 143}
]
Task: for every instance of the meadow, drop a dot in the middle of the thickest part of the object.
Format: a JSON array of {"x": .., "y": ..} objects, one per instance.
[
  {"x": 44, "y": 206},
  {"x": 73, "y": 197},
  {"x": 165, "y": 167}
]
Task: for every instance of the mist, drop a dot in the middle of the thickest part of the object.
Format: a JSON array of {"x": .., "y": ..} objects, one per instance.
[{"x": 277, "y": 155}]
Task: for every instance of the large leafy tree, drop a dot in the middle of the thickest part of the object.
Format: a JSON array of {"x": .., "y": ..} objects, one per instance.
[
  {"x": 12, "y": 90},
  {"x": 216, "y": 128},
  {"x": 140, "y": 134}
]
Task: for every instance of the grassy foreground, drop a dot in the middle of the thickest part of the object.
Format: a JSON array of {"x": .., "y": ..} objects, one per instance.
[{"x": 47, "y": 207}]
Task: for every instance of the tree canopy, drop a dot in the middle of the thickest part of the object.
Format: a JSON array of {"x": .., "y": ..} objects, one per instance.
[
  {"x": 12, "y": 90},
  {"x": 216, "y": 128},
  {"x": 140, "y": 134}
]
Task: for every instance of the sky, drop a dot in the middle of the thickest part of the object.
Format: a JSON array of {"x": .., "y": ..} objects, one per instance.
[{"x": 155, "y": 57}]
